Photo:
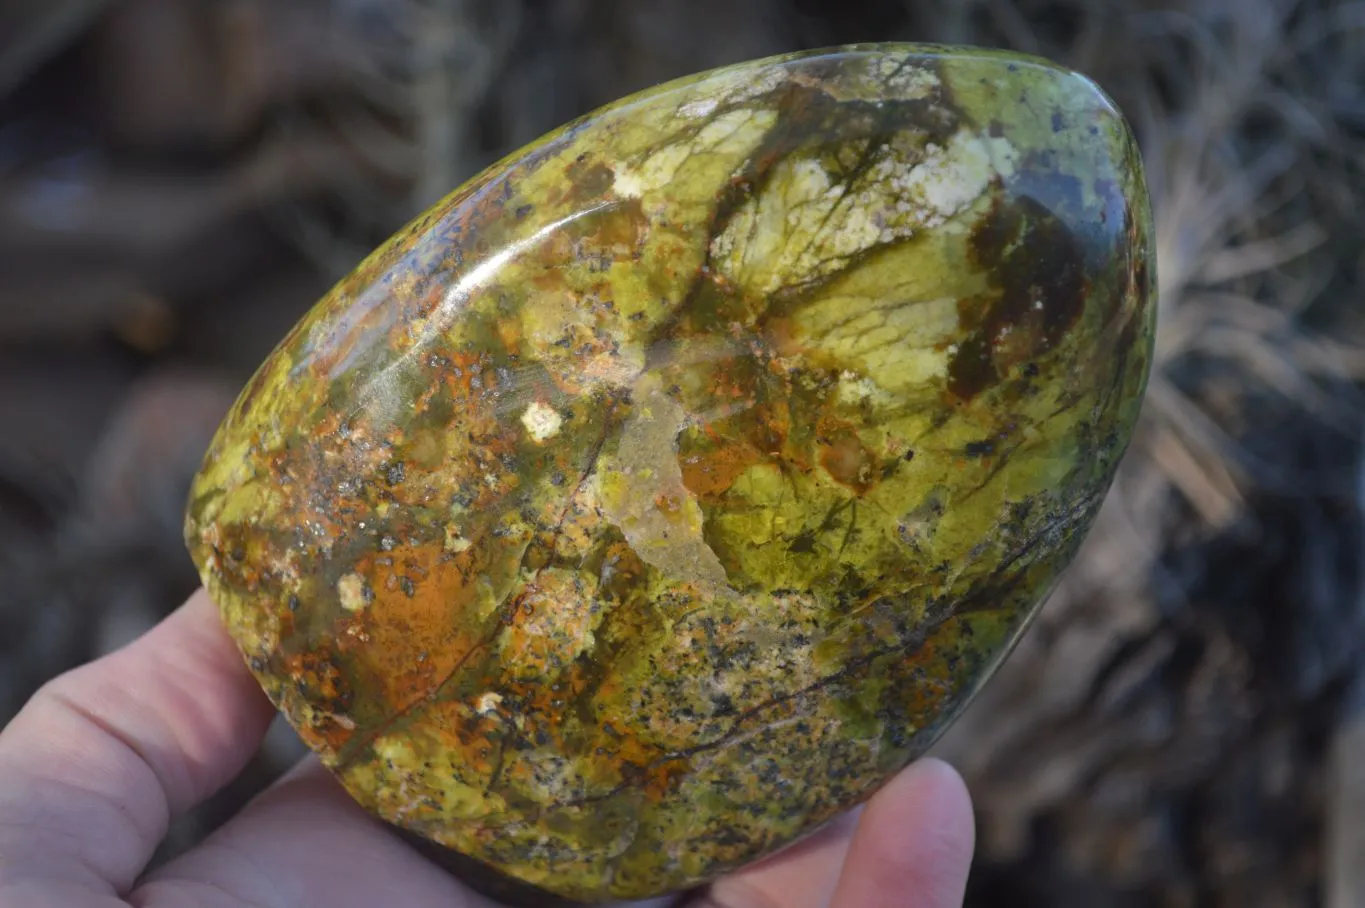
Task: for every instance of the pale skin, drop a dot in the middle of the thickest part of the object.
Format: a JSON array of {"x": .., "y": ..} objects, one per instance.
[{"x": 95, "y": 766}]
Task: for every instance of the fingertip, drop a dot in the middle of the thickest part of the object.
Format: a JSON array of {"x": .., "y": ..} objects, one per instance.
[
  {"x": 938, "y": 790},
  {"x": 304, "y": 840},
  {"x": 914, "y": 843},
  {"x": 798, "y": 876}
]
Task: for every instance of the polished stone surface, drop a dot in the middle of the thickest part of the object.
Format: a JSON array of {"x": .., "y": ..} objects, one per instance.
[{"x": 668, "y": 486}]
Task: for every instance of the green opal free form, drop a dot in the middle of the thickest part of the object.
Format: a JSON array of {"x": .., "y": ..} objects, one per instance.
[{"x": 671, "y": 484}]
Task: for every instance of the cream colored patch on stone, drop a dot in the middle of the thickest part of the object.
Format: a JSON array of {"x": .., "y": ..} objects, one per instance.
[
  {"x": 950, "y": 179},
  {"x": 541, "y": 421},
  {"x": 854, "y": 388},
  {"x": 907, "y": 82},
  {"x": 882, "y": 78},
  {"x": 650, "y": 175},
  {"x": 285, "y": 567},
  {"x": 756, "y": 85},
  {"x": 695, "y": 110},
  {"x": 731, "y": 132},
  {"x": 351, "y": 590},
  {"x": 487, "y": 702},
  {"x": 455, "y": 542},
  {"x": 1004, "y": 156},
  {"x": 313, "y": 717},
  {"x": 627, "y": 182}
]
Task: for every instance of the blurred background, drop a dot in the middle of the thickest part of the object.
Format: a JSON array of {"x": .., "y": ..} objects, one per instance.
[{"x": 181, "y": 179}]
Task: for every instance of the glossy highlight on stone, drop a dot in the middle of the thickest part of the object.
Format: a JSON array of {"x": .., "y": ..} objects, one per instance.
[{"x": 668, "y": 486}]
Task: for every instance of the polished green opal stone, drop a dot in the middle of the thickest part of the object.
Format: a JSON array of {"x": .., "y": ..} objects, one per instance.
[{"x": 667, "y": 487}]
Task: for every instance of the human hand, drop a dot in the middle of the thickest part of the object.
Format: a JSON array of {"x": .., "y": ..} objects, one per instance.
[{"x": 95, "y": 766}]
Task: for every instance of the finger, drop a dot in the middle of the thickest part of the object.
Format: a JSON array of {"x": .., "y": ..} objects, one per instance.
[
  {"x": 802, "y": 876},
  {"x": 96, "y": 764},
  {"x": 913, "y": 845},
  {"x": 304, "y": 843}
]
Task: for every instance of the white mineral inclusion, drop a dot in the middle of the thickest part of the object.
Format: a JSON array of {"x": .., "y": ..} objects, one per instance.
[
  {"x": 699, "y": 108},
  {"x": 949, "y": 179},
  {"x": 351, "y": 589},
  {"x": 541, "y": 422}
]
